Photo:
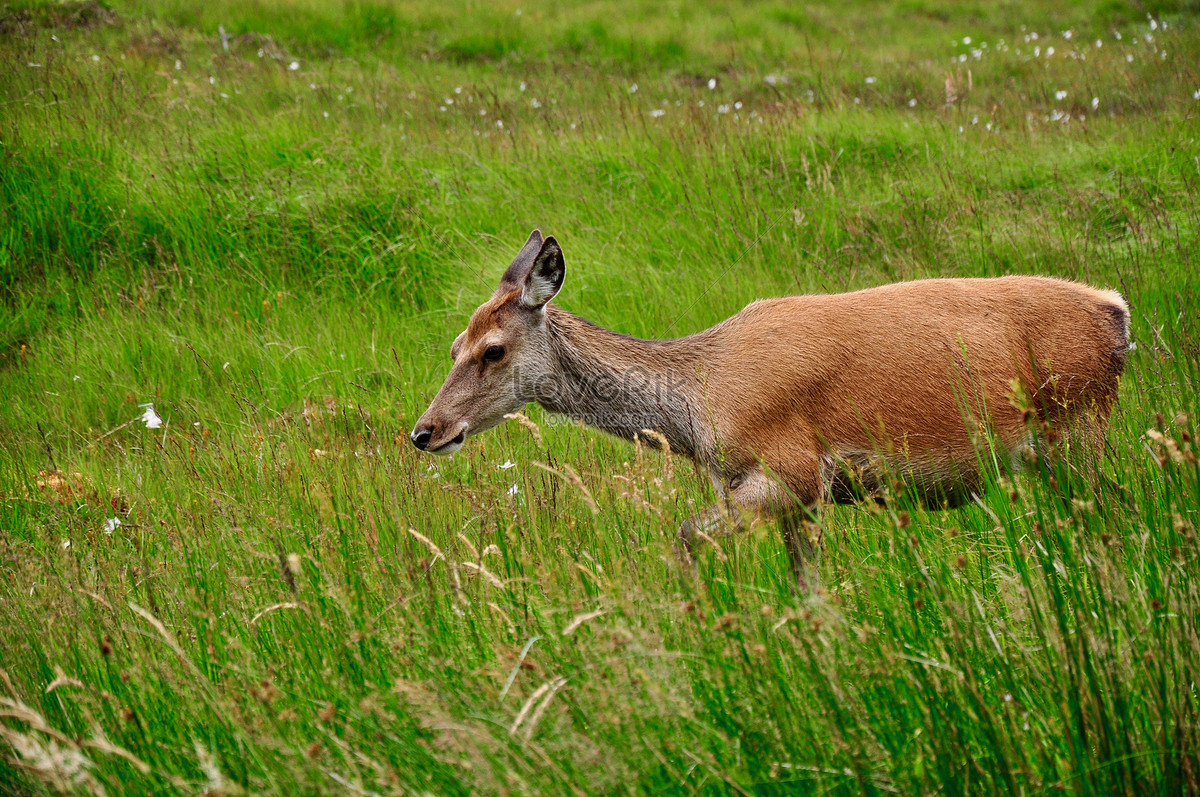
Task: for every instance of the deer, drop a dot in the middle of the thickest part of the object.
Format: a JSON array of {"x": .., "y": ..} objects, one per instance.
[{"x": 803, "y": 400}]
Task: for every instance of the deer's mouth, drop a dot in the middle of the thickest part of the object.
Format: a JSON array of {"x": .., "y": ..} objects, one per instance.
[{"x": 452, "y": 445}]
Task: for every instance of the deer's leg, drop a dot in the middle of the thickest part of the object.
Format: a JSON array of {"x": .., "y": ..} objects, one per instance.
[
  {"x": 718, "y": 520},
  {"x": 763, "y": 494},
  {"x": 803, "y": 547}
]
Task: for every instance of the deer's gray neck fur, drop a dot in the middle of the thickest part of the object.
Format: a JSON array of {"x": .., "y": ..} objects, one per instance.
[{"x": 624, "y": 385}]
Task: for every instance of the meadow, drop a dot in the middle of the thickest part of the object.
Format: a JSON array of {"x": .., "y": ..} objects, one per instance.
[{"x": 238, "y": 238}]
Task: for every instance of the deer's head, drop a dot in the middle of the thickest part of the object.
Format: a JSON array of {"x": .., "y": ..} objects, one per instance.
[{"x": 501, "y": 357}]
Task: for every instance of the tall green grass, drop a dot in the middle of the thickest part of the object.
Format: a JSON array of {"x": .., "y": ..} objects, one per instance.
[{"x": 277, "y": 258}]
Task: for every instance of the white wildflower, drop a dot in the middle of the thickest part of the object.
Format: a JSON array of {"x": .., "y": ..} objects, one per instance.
[
  {"x": 657, "y": 112},
  {"x": 712, "y": 83},
  {"x": 722, "y": 109},
  {"x": 514, "y": 489},
  {"x": 522, "y": 85},
  {"x": 111, "y": 525},
  {"x": 912, "y": 103},
  {"x": 294, "y": 65},
  {"x": 508, "y": 463},
  {"x": 633, "y": 89},
  {"x": 869, "y": 80},
  {"x": 1095, "y": 103},
  {"x": 1060, "y": 95},
  {"x": 151, "y": 418}
]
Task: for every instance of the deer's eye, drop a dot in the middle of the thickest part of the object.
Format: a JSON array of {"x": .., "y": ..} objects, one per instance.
[{"x": 493, "y": 354}]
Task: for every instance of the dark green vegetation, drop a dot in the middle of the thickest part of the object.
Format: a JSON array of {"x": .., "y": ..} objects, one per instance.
[{"x": 278, "y": 258}]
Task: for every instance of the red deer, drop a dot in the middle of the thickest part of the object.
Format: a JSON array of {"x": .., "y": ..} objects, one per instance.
[{"x": 803, "y": 399}]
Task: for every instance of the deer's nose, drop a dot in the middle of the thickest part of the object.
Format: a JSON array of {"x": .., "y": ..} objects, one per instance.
[{"x": 421, "y": 437}]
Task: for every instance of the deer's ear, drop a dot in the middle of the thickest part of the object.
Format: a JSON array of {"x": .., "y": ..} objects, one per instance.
[
  {"x": 514, "y": 276},
  {"x": 545, "y": 276}
]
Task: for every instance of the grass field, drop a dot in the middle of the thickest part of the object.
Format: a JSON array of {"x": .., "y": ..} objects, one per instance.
[{"x": 269, "y": 220}]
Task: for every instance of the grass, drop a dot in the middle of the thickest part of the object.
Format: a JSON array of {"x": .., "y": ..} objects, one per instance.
[{"x": 275, "y": 243}]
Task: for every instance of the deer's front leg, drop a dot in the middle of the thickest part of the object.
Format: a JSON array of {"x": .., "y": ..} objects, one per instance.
[
  {"x": 719, "y": 520},
  {"x": 764, "y": 495},
  {"x": 803, "y": 549}
]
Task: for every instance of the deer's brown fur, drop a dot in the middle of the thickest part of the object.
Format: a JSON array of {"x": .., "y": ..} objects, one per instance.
[{"x": 806, "y": 398}]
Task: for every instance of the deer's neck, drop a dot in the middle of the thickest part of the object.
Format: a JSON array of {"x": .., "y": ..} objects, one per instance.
[{"x": 624, "y": 385}]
